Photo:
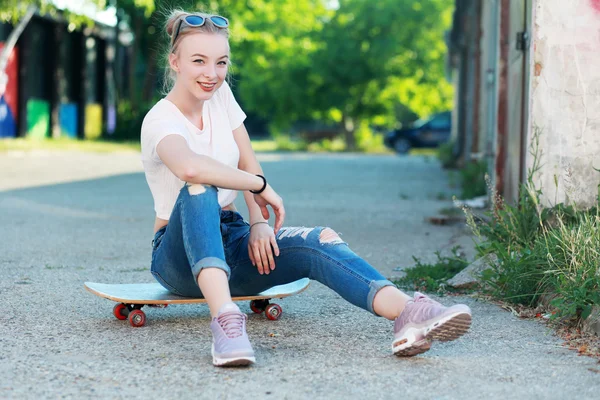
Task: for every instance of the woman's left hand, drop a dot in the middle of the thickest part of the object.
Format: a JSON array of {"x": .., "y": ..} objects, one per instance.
[{"x": 262, "y": 247}]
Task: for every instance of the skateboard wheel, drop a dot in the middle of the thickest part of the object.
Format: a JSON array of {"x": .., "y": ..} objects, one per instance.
[
  {"x": 273, "y": 312},
  {"x": 258, "y": 306},
  {"x": 120, "y": 311},
  {"x": 137, "y": 318}
]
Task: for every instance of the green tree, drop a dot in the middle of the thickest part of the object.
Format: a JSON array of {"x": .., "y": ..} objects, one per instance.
[
  {"x": 142, "y": 17},
  {"x": 273, "y": 43},
  {"x": 13, "y": 10},
  {"x": 381, "y": 55}
]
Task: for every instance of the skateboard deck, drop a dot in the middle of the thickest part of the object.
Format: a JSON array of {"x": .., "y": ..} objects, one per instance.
[{"x": 132, "y": 297}]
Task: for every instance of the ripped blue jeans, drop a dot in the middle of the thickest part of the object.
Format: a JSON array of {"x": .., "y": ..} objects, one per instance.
[{"x": 201, "y": 235}]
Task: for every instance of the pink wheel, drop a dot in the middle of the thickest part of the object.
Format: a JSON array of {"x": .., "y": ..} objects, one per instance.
[
  {"x": 120, "y": 311},
  {"x": 273, "y": 312},
  {"x": 258, "y": 306},
  {"x": 137, "y": 318}
]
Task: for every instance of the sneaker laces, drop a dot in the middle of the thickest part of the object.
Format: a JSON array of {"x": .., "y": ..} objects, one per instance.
[
  {"x": 232, "y": 323},
  {"x": 429, "y": 306},
  {"x": 421, "y": 298}
]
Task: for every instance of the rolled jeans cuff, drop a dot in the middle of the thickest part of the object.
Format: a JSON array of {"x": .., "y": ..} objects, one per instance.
[
  {"x": 376, "y": 286},
  {"x": 210, "y": 262}
]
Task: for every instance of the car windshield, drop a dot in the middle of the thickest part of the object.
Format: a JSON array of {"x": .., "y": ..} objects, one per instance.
[
  {"x": 420, "y": 122},
  {"x": 435, "y": 120}
]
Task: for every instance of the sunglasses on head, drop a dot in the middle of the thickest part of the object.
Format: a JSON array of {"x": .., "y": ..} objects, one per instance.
[{"x": 197, "y": 21}]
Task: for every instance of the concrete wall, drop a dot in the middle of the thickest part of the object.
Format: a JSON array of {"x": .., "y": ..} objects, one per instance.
[{"x": 565, "y": 98}]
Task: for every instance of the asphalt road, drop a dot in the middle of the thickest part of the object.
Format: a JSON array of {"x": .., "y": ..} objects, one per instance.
[{"x": 71, "y": 217}]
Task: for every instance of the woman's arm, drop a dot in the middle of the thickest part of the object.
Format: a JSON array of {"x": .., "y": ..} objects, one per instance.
[
  {"x": 262, "y": 244},
  {"x": 248, "y": 163},
  {"x": 191, "y": 167}
]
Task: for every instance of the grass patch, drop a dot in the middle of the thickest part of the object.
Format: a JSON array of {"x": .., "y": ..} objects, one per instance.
[
  {"x": 287, "y": 143},
  {"x": 433, "y": 277},
  {"x": 261, "y": 146},
  {"x": 335, "y": 145},
  {"x": 64, "y": 144},
  {"x": 545, "y": 251},
  {"x": 542, "y": 250},
  {"x": 283, "y": 143},
  {"x": 426, "y": 152}
]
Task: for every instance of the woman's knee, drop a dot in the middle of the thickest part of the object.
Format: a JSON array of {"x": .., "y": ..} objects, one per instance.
[
  {"x": 199, "y": 189},
  {"x": 310, "y": 237},
  {"x": 199, "y": 194},
  {"x": 329, "y": 236}
]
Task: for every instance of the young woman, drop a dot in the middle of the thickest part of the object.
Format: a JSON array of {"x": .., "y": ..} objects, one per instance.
[{"x": 196, "y": 155}]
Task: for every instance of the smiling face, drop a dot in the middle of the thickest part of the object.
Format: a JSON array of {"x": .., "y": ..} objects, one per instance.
[{"x": 201, "y": 61}]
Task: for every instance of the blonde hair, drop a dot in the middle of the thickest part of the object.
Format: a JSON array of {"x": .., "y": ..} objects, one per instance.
[{"x": 173, "y": 19}]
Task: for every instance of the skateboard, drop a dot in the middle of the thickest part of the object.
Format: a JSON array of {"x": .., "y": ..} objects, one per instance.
[{"x": 132, "y": 297}]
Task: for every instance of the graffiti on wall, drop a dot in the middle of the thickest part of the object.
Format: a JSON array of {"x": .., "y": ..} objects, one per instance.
[{"x": 8, "y": 101}]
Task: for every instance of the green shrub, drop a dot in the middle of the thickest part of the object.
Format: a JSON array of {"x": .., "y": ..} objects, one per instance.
[
  {"x": 515, "y": 227},
  {"x": 518, "y": 276},
  {"x": 368, "y": 141},
  {"x": 445, "y": 153},
  {"x": 286, "y": 143},
  {"x": 542, "y": 250},
  {"x": 328, "y": 145},
  {"x": 472, "y": 179},
  {"x": 129, "y": 121}
]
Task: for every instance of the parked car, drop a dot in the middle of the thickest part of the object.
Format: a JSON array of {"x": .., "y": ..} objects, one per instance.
[{"x": 429, "y": 132}]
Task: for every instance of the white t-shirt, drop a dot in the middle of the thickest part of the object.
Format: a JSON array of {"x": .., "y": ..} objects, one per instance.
[{"x": 220, "y": 115}]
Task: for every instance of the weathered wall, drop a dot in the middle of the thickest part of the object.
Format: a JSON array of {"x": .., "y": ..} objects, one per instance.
[
  {"x": 487, "y": 72},
  {"x": 490, "y": 29},
  {"x": 565, "y": 101}
]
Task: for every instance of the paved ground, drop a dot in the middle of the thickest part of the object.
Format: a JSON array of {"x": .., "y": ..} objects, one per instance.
[{"x": 68, "y": 218}]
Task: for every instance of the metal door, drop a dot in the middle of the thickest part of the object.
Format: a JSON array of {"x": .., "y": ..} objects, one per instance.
[{"x": 517, "y": 95}]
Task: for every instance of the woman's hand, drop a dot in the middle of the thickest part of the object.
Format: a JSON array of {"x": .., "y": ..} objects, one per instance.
[
  {"x": 262, "y": 246},
  {"x": 269, "y": 198}
]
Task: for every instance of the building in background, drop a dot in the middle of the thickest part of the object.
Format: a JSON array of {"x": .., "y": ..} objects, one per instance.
[
  {"x": 489, "y": 59},
  {"x": 9, "y": 100},
  {"x": 61, "y": 79},
  {"x": 522, "y": 67}
]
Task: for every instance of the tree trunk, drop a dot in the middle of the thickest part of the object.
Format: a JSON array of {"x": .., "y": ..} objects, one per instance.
[{"x": 348, "y": 124}]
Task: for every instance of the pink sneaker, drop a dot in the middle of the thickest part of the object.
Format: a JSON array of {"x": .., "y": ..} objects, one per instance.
[
  {"x": 231, "y": 346},
  {"x": 424, "y": 320}
]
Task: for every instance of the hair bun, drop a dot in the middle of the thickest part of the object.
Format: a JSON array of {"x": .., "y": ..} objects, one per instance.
[{"x": 173, "y": 17}]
